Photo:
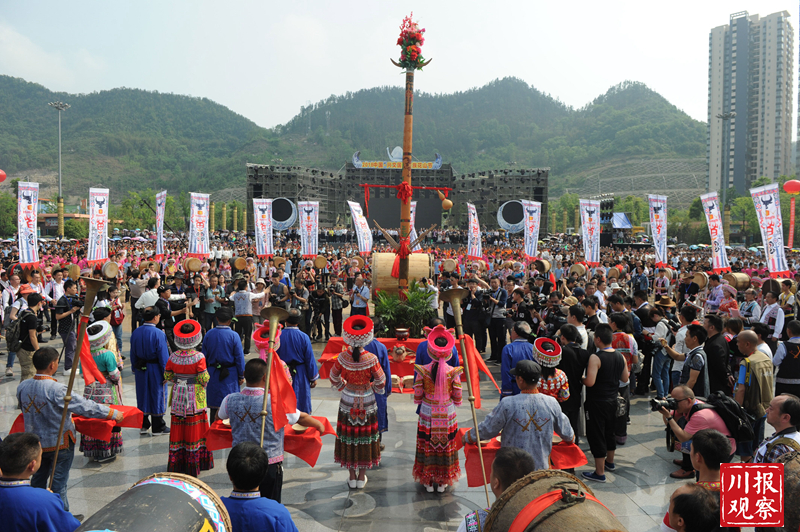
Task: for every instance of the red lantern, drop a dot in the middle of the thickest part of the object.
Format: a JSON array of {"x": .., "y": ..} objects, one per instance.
[
  {"x": 792, "y": 187},
  {"x": 2, "y": 176}
]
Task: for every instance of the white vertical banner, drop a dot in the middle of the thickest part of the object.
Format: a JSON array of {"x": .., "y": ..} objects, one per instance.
[
  {"x": 474, "y": 235},
  {"x": 590, "y": 228},
  {"x": 198, "y": 225},
  {"x": 413, "y": 236},
  {"x": 658, "y": 226},
  {"x": 161, "y": 209},
  {"x": 98, "y": 226},
  {"x": 531, "y": 215},
  {"x": 767, "y": 200},
  {"x": 309, "y": 228},
  {"x": 262, "y": 215},
  {"x": 361, "y": 226},
  {"x": 27, "y": 216},
  {"x": 719, "y": 256}
]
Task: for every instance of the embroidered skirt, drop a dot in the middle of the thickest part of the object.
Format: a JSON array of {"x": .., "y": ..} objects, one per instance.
[
  {"x": 436, "y": 460},
  {"x": 99, "y": 449},
  {"x": 187, "y": 445},
  {"x": 357, "y": 445}
]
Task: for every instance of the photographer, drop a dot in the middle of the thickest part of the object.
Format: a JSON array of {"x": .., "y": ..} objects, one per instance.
[
  {"x": 66, "y": 306},
  {"x": 497, "y": 297},
  {"x": 684, "y": 415},
  {"x": 321, "y": 313},
  {"x": 521, "y": 308},
  {"x": 473, "y": 315},
  {"x": 299, "y": 301},
  {"x": 29, "y": 328},
  {"x": 278, "y": 291},
  {"x": 337, "y": 291}
]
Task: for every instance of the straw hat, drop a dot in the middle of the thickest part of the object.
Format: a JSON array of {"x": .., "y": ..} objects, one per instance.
[
  {"x": 189, "y": 339},
  {"x": 100, "y": 339},
  {"x": 547, "y": 352},
  {"x": 440, "y": 343},
  {"x": 357, "y": 331}
]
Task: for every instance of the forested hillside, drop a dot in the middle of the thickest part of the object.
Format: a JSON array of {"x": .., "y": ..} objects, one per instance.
[{"x": 129, "y": 139}]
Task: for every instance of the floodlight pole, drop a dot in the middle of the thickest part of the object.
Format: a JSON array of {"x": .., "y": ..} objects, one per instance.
[{"x": 60, "y": 106}]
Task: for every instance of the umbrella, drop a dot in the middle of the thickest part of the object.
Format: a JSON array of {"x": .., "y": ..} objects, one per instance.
[
  {"x": 126, "y": 238},
  {"x": 728, "y": 248},
  {"x": 693, "y": 247},
  {"x": 752, "y": 249}
]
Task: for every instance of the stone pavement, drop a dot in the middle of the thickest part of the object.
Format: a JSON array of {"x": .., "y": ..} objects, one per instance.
[{"x": 318, "y": 498}]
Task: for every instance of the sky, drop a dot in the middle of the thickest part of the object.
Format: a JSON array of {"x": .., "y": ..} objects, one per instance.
[{"x": 267, "y": 59}]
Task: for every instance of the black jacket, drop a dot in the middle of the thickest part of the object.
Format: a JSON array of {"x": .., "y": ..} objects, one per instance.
[{"x": 717, "y": 350}]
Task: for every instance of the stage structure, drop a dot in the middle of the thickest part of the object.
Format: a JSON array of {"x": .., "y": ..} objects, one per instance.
[{"x": 487, "y": 190}]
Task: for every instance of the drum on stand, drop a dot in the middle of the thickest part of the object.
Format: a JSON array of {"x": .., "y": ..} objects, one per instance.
[
  {"x": 163, "y": 501},
  {"x": 419, "y": 265}
]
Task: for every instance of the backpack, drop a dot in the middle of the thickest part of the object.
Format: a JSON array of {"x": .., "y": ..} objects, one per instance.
[
  {"x": 13, "y": 334},
  {"x": 736, "y": 418}
]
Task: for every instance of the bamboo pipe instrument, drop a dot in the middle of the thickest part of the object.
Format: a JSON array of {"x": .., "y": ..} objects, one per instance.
[
  {"x": 274, "y": 315},
  {"x": 454, "y": 296},
  {"x": 110, "y": 270}
]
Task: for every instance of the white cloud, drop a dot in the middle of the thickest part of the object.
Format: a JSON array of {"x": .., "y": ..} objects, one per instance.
[{"x": 20, "y": 57}]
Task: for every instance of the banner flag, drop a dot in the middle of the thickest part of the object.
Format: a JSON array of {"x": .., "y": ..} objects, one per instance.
[
  {"x": 98, "y": 226},
  {"x": 198, "y": 226},
  {"x": 532, "y": 212},
  {"x": 413, "y": 236},
  {"x": 590, "y": 226},
  {"x": 719, "y": 257},
  {"x": 474, "y": 239},
  {"x": 658, "y": 226},
  {"x": 767, "y": 200},
  {"x": 262, "y": 214},
  {"x": 27, "y": 215},
  {"x": 362, "y": 228},
  {"x": 309, "y": 228},
  {"x": 161, "y": 209}
]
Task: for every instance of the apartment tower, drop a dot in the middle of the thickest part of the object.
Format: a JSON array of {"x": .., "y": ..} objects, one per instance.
[{"x": 750, "y": 100}]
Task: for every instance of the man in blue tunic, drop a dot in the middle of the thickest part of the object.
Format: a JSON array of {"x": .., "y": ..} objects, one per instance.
[
  {"x": 149, "y": 355},
  {"x": 518, "y": 349},
  {"x": 383, "y": 357},
  {"x": 23, "y": 507},
  {"x": 224, "y": 359},
  {"x": 247, "y": 464},
  {"x": 296, "y": 351}
]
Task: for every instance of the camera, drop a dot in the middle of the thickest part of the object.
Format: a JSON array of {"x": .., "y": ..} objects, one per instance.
[
  {"x": 669, "y": 403},
  {"x": 674, "y": 325},
  {"x": 77, "y": 302}
]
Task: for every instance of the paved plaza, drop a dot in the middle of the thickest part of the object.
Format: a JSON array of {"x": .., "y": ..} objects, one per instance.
[{"x": 318, "y": 498}]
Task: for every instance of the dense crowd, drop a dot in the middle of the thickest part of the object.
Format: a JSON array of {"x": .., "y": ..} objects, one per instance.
[{"x": 573, "y": 342}]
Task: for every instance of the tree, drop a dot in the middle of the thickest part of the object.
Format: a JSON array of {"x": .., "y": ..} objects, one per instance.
[
  {"x": 77, "y": 229},
  {"x": 696, "y": 210},
  {"x": 8, "y": 214}
]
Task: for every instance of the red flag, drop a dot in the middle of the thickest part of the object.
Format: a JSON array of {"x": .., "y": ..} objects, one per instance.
[
  {"x": 476, "y": 364},
  {"x": 88, "y": 365},
  {"x": 282, "y": 397}
]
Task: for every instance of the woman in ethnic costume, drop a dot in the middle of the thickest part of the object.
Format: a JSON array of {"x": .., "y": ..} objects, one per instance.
[
  {"x": 553, "y": 381},
  {"x": 186, "y": 369},
  {"x": 358, "y": 375},
  {"x": 108, "y": 393},
  {"x": 437, "y": 389}
]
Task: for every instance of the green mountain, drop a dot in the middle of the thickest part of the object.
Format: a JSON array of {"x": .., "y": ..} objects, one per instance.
[{"x": 129, "y": 139}]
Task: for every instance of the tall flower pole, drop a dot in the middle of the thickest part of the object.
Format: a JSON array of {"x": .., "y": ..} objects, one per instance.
[
  {"x": 791, "y": 187},
  {"x": 410, "y": 42}
]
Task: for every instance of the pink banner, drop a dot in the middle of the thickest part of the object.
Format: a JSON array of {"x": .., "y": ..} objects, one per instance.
[
  {"x": 198, "y": 226},
  {"x": 532, "y": 213},
  {"x": 590, "y": 227},
  {"x": 361, "y": 226},
  {"x": 713, "y": 216},
  {"x": 309, "y": 228},
  {"x": 98, "y": 226},
  {"x": 27, "y": 214},
  {"x": 474, "y": 237},
  {"x": 161, "y": 209},
  {"x": 767, "y": 201},
  {"x": 262, "y": 213},
  {"x": 658, "y": 226}
]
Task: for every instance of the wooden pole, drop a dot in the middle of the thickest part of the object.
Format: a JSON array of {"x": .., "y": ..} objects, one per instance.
[{"x": 405, "y": 206}]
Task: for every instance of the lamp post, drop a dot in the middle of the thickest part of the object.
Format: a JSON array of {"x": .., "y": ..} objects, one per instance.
[
  {"x": 60, "y": 106},
  {"x": 725, "y": 150}
]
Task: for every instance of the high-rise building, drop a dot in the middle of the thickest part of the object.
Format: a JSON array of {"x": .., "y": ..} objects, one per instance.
[{"x": 750, "y": 100}]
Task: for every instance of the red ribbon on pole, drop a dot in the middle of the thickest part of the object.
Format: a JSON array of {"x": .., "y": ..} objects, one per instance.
[{"x": 404, "y": 191}]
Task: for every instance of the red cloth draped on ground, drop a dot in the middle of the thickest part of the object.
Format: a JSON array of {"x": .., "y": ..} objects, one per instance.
[
  {"x": 304, "y": 445},
  {"x": 565, "y": 455},
  {"x": 281, "y": 394},
  {"x": 88, "y": 365},
  {"x": 402, "y": 369},
  {"x": 96, "y": 428}
]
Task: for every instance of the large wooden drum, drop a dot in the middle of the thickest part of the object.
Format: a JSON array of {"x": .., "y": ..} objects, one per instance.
[
  {"x": 550, "y": 501},
  {"x": 740, "y": 281},
  {"x": 580, "y": 269},
  {"x": 542, "y": 266},
  {"x": 419, "y": 265},
  {"x": 701, "y": 278},
  {"x": 164, "y": 501}
]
